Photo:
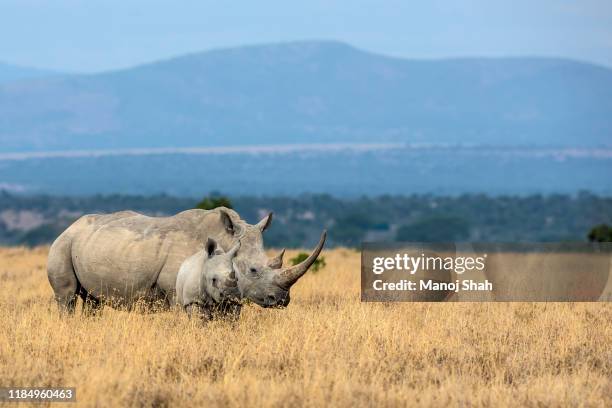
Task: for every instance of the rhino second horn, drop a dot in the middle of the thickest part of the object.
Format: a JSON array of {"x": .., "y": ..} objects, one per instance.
[
  {"x": 277, "y": 261},
  {"x": 289, "y": 276}
]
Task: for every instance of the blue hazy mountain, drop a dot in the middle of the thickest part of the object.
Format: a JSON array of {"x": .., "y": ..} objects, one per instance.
[
  {"x": 312, "y": 92},
  {"x": 9, "y": 72}
]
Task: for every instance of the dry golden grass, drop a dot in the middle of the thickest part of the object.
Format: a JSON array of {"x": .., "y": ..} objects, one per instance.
[{"x": 326, "y": 349}]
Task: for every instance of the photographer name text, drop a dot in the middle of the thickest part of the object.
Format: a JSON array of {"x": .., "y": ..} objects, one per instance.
[{"x": 428, "y": 284}]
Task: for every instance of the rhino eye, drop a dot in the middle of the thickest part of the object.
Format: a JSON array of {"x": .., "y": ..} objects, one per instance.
[{"x": 253, "y": 271}]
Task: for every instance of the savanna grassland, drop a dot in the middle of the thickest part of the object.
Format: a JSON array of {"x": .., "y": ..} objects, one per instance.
[{"x": 326, "y": 349}]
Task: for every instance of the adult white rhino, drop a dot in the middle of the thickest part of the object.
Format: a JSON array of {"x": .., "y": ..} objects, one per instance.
[{"x": 125, "y": 257}]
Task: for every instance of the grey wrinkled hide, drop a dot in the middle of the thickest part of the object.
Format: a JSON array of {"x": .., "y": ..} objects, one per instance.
[
  {"x": 125, "y": 257},
  {"x": 206, "y": 281}
]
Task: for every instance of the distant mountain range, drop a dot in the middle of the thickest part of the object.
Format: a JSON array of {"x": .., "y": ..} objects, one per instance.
[
  {"x": 10, "y": 73},
  {"x": 309, "y": 92}
]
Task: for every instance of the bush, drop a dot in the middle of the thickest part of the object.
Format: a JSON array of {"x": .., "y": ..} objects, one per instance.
[
  {"x": 210, "y": 203},
  {"x": 600, "y": 233},
  {"x": 301, "y": 257}
]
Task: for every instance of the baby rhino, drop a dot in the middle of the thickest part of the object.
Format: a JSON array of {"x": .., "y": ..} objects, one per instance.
[{"x": 206, "y": 283}]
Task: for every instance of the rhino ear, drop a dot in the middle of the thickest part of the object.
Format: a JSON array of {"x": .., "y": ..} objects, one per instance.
[
  {"x": 210, "y": 247},
  {"x": 227, "y": 222},
  {"x": 265, "y": 222}
]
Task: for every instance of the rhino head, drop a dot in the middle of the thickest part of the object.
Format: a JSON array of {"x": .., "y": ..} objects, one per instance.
[
  {"x": 261, "y": 279},
  {"x": 218, "y": 279}
]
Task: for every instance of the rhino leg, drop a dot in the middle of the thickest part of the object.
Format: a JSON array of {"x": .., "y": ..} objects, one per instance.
[
  {"x": 61, "y": 274},
  {"x": 91, "y": 305},
  {"x": 154, "y": 300},
  {"x": 202, "y": 312},
  {"x": 229, "y": 310}
]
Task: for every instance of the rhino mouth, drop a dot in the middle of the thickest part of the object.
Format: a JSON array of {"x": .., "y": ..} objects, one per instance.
[{"x": 272, "y": 302}]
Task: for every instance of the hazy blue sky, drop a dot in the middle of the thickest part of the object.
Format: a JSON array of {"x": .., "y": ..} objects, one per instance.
[{"x": 97, "y": 35}]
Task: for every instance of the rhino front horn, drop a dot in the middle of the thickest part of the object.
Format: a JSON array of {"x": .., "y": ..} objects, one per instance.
[
  {"x": 277, "y": 261},
  {"x": 289, "y": 276}
]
